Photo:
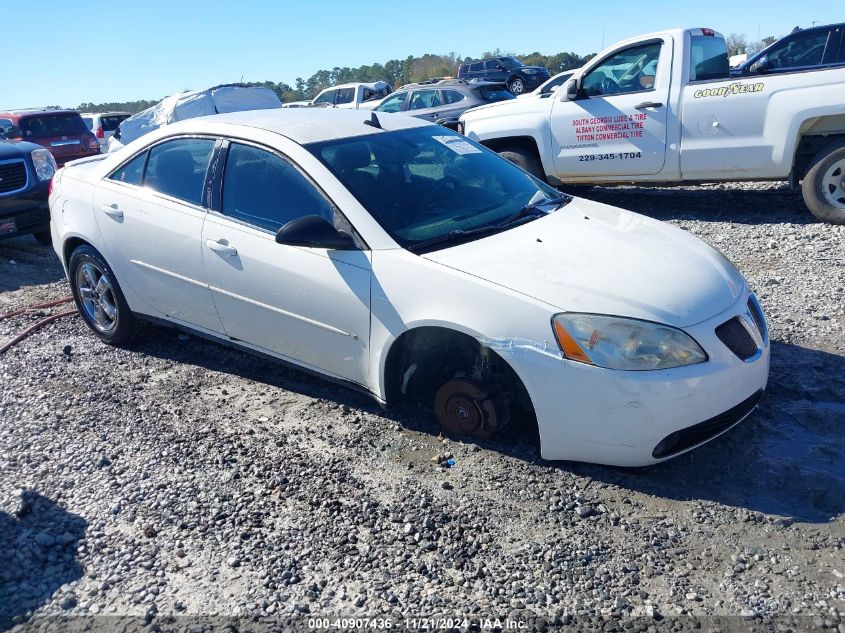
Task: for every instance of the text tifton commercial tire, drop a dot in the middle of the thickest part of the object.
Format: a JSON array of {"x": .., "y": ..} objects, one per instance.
[
  {"x": 98, "y": 296},
  {"x": 823, "y": 187}
]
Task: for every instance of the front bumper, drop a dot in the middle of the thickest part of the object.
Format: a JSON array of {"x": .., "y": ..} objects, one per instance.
[
  {"x": 620, "y": 418},
  {"x": 27, "y": 212}
]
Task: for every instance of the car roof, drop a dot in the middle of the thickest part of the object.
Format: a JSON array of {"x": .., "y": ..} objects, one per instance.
[
  {"x": 305, "y": 125},
  {"x": 38, "y": 111}
]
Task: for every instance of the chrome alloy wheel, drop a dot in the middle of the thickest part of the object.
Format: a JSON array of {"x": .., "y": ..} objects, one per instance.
[
  {"x": 96, "y": 296},
  {"x": 517, "y": 86},
  {"x": 833, "y": 184}
]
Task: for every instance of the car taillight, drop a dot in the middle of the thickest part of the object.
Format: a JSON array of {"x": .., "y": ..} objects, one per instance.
[
  {"x": 99, "y": 132},
  {"x": 93, "y": 143}
]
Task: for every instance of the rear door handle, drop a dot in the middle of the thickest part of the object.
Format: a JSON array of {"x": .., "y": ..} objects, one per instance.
[
  {"x": 112, "y": 210},
  {"x": 648, "y": 104},
  {"x": 223, "y": 249}
]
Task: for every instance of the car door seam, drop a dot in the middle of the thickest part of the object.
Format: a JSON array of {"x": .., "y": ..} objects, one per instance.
[{"x": 292, "y": 315}]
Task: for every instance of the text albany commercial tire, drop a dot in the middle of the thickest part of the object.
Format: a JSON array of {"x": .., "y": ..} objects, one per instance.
[
  {"x": 823, "y": 186},
  {"x": 516, "y": 86},
  {"x": 98, "y": 296},
  {"x": 526, "y": 159}
]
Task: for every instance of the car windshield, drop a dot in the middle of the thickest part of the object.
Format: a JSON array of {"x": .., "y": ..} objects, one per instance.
[
  {"x": 510, "y": 62},
  {"x": 49, "y": 125},
  {"x": 425, "y": 183}
]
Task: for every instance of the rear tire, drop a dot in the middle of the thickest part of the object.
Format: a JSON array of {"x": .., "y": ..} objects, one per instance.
[
  {"x": 526, "y": 160},
  {"x": 516, "y": 86},
  {"x": 823, "y": 187},
  {"x": 98, "y": 296},
  {"x": 44, "y": 238}
]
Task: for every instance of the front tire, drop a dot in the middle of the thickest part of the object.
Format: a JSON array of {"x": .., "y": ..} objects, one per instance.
[
  {"x": 98, "y": 296},
  {"x": 516, "y": 86},
  {"x": 525, "y": 159},
  {"x": 823, "y": 187}
]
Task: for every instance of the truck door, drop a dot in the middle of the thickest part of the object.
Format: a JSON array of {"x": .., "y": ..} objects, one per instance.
[{"x": 617, "y": 124}]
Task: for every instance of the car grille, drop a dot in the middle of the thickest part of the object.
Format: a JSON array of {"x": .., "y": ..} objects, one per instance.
[
  {"x": 12, "y": 176},
  {"x": 700, "y": 433},
  {"x": 737, "y": 338}
]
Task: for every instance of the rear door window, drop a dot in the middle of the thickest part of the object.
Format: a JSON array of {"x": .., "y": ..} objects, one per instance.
[
  {"x": 178, "y": 168},
  {"x": 451, "y": 96},
  {"x": 266, "y": 191},
  {"x": 421, "y": 99},
  {"x": 89, "y": 122},
  {"x": 131, "y": 173},
  {"x": 476, "y": 67},
  {"x": 49, "y": 125}
]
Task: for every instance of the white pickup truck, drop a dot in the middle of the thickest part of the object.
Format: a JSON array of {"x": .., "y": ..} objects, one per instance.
[{"x": 663, "y": 108}]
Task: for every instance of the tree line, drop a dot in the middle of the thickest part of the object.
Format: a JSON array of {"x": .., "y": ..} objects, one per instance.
[{"x": 396, "y": 72}]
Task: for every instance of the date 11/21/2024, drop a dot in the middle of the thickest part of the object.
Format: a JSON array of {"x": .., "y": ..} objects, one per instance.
[
  {"x": 613, "y": 156},
  {"x": 416, "y": 623}
]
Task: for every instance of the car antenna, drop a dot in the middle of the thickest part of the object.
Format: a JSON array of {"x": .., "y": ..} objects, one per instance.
[{"x": 374, "y": 121}]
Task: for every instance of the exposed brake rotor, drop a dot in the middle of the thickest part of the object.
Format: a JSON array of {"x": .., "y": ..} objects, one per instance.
[{"x": 464, "y": 408}]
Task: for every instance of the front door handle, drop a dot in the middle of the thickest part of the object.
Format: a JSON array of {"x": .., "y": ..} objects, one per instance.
[
  {"x": 223, "y": 249},
  {"x": 648, "y": 104},
  {"x": 112, "y": 210}
]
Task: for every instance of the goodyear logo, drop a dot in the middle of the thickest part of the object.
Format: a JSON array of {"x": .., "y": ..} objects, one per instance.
[{"x": 727, "y": 91}]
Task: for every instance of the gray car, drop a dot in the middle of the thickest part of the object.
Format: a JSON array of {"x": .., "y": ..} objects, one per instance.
[{"x": 443, "y": 100}]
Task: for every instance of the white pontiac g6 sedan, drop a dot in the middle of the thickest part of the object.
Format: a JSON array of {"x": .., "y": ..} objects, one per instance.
[{"x": 403, "y": 260}]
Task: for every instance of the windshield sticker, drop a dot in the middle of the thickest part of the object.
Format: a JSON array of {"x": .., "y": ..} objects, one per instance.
[
  {"x": 727, "y": 91},
  {"x": 609, "y": 128},
  {"x": 458, "y": 144}
]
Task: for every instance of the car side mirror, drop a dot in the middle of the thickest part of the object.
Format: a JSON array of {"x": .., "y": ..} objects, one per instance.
[
  {"x": 13, "y": 132},
  {"x": 570, "y": 92},
  {"x": 314, "y": 231},
  {"x": 761, "y": 65}
]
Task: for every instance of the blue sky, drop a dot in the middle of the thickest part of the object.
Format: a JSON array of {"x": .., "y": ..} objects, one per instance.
[{"x": 94, "y": 51}]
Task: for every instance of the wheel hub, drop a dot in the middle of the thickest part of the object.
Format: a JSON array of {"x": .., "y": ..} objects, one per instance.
[
  {"x": 464, "y": 408},
  {"x": 833, "y": 184}
]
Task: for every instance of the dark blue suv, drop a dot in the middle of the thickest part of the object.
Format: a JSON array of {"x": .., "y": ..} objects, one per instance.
[
  {"x": 817, "y": 48},
  {"x": 518, "y": 77},
  {"x": 25, "y": 173}
]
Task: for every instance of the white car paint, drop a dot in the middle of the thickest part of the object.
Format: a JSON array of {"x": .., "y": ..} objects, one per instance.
[
  {"x": 339, "y": 312},
  {"x": 693, "y": 131}
]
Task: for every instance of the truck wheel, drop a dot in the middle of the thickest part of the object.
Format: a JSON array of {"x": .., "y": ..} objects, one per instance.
[
  {"x": 823, "y": 187},
  {"x": 525, "y": 159},
  {"x": 516, "y": 86}
]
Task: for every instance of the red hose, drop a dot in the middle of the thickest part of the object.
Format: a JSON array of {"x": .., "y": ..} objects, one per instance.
[
  {"x": 39, "y": 324},
  {"x": 37, "y": 306}
]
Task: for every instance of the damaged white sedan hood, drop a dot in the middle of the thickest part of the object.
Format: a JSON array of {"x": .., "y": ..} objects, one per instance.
[{"x": 590, "y": 257}]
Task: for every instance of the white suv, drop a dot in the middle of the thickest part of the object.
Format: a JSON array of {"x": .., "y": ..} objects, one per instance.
[{"x": 104, "y": 124}]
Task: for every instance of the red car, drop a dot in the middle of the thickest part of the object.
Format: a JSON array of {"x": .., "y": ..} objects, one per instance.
[{"x": 63, "y": 132}]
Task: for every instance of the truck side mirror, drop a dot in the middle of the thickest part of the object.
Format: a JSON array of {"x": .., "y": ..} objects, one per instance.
[
  {"x": 570, "y": 91},
  {"x": 761, "y": 65}
]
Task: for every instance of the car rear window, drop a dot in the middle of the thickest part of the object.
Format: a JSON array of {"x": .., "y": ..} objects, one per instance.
[
  {"x": 493, "y": 93},
  {"x": 89, "y": 122},
  {"x": 110, "y": 123},
  {"x": 48, "y": 125}
]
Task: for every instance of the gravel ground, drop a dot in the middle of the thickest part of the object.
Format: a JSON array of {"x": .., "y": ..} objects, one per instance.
[{"x": 180, "y": 477}]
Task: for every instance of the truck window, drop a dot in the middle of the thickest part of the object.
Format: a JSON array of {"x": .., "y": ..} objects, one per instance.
[
  {"x": 345, "y": 95},
  {"x": 799, "y": 50},
  {"x": 326, "y": 97},
  {"x": 708, "y": 59},
  {"x": 629, "y": 70},
  {"x": 475, "y": 68}
]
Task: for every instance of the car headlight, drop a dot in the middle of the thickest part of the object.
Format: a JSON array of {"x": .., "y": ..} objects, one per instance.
[
  {"x": 44, "y": 163},
  {"x": 530, "y": 71},
  {"x": 622, "y": 343}
]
